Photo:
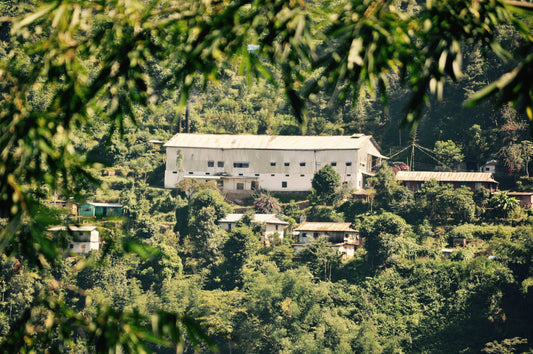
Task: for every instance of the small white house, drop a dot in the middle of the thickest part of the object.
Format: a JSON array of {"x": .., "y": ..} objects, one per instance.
[
  {"x": 341, "y": 235},
  {"x": 273, "y": 224},
  {"x": 81, "y": 239}
]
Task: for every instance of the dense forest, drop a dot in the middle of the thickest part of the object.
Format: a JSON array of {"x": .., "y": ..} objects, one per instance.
[{"x": 168, "y": 278}]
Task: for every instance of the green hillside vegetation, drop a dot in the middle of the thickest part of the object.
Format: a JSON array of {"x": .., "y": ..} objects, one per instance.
[{"x": 167, "y": 277}]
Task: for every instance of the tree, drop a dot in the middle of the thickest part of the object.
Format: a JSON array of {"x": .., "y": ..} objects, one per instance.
[
  {"x": 94, "y": 60},
  {"x": 320, "y": 258},
  {"x": 209, "y": 198},
  {"x": 385, "y": 185},
  {"x": 238, "y": 249},
  {"x": 448, "y": 154},
  {"x": 503, "y": 205},
  {"x": 264, "y": 203},
  {"x": 325, "y": 183},
  {"x": 382, "y": 236}
]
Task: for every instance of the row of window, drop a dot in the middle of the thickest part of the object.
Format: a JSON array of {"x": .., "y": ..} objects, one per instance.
[
  {"x": 256, "y": 175},
  {"x": 247, "y": 164}
]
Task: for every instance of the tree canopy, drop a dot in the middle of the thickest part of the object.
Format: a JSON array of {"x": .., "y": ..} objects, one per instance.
[{"x": 71, "y": 65}]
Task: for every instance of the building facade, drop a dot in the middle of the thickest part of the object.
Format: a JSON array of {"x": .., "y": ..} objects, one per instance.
[
  {"x": 80, "y": 239},
  {"x": 415, "y": 180},
  {"x": 272, "y": 163},
  {"x": 100, "y": 209},
  {"x": 342, "y": 237},
  {"x": 273, "y": 225}
]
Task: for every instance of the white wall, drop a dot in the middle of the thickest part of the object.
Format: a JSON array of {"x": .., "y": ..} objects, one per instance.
[{"x": 267, "y": 166}]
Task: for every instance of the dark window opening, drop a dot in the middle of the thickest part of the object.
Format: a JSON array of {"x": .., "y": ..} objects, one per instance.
[
  {"x": 241, "y": 164},
  {"x": 302, "y": 163},
  {"x": 333, "y": 164},
  {"x": 284, "y": 184},
  {"x": 210, "y": 163},
  {"x": 348, "y": 163},
  {"x": 220, "y": 163},
  {"x": 287, "y": 163},
  {"x": 240, "y": 186},
  {"x": 272, "y": 164}
]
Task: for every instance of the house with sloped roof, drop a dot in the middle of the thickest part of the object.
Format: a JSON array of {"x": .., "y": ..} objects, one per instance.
[
  {"x": 271, "y": 163},
  {"x": 415, "y": 180},
  {"x": 341, "y": 235},
  {"x": 273, "y": 224},
  {"x": 100, "y": 209},
  {"x": 79, "y": 239}
]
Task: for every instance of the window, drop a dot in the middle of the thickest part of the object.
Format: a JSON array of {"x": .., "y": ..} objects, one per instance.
[
  {"x": 284, "y": 184},
  {"x": 287, "y": 163},
  {"x": 257, "y": 174},
  {"x": 315, "y": 234},
  {"x": 348, "y": 163},
  {"x": 220, "y": 164},
  {"x": 349, "y": 175},
  {"x": 286, "y": 175},
  {"x": 272, "y": 175},
  {"x": 240, "y": 186},
  {"x": 240, "y": 174},
  {"x": 175, "y": 172},
  {"x": 207, "y": 173},
  {"x": 302, "y": 175},
  {"x": 210, "y": 163},
  {"x": 191, "y": 172},
  {"x": 272, "y": 164},
  {"x": 241, "y": 164},
  {"x": 254, "y": 185},
  {"x": 302, "y": 163},
  {"x": 333, "y": 164}
]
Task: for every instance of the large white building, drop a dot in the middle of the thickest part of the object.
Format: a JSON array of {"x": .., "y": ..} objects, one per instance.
[{"x": 272, "y": 163}]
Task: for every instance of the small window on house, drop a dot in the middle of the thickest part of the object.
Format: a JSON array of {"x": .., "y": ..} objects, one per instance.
[
  {"x": 287, "y": 175},
  {"x": 175, "y": 172},
  {"x": 315, "y": 234},
  {"x": 210, "y": 163},
  {"x": 349, "y": 175},
  {"x": 302, "y": 163},
  {"x": 277, "y": 227},
  {"x": 302, "y": 175},
  {"x": 71, "y": 245},
  {"x": 254, "y": 185},
  {"x": 257, "y": 174},
  {"x": 284, "y": 184},
  {"x": 287, "y": 163},
  {"x": 220, "y": 164},
  {"x": 272, "y": 164},
  {"x": 241, "y": 164},
  {"x": 191, "y": 172},
  {"x": 348, "y": 163},
  {"x": 220, "y": 183},
  {"x": 240, "y": 174},
  {"x": 240, "y": 186},
  {"x": 272, "y": 175},
  {"x": 333, "y": 164},
  {"x": 207, "y": 173}
]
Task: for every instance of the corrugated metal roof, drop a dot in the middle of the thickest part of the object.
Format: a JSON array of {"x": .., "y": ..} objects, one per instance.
[
  {"x": 108, "y": 205},
  {"x": 324, "y": 226},
  {"x": 419, "y": 176},
  {"x": 269, "y": 142},
  {"x": 266, "y": 218}
]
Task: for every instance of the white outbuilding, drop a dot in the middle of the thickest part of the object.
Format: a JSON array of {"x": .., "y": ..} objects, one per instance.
[
  {"x": 80, "y": 239},
  {"x": 272, "y": 163}
]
